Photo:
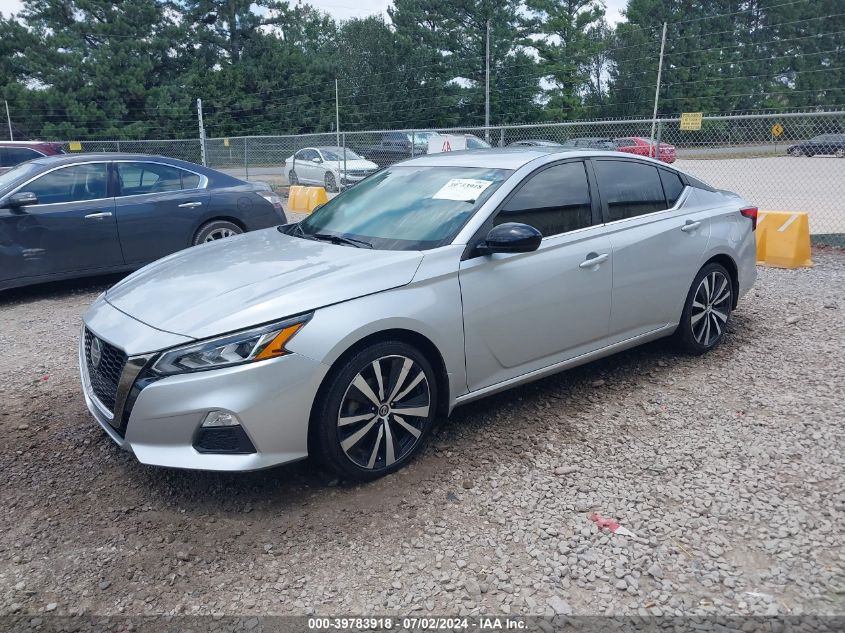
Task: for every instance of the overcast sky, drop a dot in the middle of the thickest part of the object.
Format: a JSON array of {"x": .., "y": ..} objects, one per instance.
[{"x": 344, "y": 9}]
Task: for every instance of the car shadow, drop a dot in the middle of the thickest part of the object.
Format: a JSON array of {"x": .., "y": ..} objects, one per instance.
[{"x": 59, "y": 289}]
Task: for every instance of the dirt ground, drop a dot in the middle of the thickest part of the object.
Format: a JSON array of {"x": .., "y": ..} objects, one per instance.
[{"x": 727, "y": 468}]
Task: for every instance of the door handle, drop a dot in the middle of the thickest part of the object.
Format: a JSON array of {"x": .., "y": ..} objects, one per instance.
[
  {"x": 595, "y": 260},
  {"x": 190, "y": 205},
  {"x": 690, "y": 226},
  {"x": 98, "y": 216}
]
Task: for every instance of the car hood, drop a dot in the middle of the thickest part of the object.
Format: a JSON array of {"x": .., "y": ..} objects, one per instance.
[
  {"x": 353, "y": 164},
  {"x": 254, "y": 278}
]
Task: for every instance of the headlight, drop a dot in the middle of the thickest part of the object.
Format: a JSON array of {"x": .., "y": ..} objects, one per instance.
[{"x": 261, "y": 343}]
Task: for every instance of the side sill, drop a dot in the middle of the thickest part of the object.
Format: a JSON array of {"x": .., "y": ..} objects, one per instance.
[{"x": 566, "y": 364}]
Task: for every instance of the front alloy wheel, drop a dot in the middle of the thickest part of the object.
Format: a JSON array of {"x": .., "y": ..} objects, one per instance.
[
  {"x": 707, "y": 310},
  {"x": 379, "y": 409}
]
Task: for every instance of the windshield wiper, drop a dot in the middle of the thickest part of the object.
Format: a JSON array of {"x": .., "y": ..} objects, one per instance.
[
  {"x": 337, "y": 239},
  {"x": 334, "y": 239}
]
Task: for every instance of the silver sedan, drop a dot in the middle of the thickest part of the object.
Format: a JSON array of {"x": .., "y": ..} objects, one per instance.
[{"x": 432, "y": 283}]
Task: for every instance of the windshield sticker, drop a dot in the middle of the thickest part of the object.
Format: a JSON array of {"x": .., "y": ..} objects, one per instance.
[{"x": 463, "y": 189}]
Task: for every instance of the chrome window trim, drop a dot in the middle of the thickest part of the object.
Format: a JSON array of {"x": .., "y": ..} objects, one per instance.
[
  {"x": 50, "y": 171},
  {"x": 203, "y": 180},
  {"x": 203, "y": 184}
]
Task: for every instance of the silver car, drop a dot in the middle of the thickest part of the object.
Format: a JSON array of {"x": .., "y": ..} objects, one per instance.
[{"x": 430, "y": 284}]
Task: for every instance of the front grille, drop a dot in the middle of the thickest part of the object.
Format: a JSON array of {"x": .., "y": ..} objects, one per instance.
[
  {"x": 359, "y": 172},
  {"x": 106, "y": 375}
]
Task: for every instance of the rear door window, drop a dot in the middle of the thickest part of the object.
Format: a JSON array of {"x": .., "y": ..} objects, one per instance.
[
  {"x": 629, "y": 188},
  {"x": 140, "y": 178},
  {"x": 553, "y": 201},
  {"x": 75, "y": 183}
]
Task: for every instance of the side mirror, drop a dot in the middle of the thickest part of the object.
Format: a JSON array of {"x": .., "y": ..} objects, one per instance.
[
  {"x": 510, "y": 237},
  {"x": 317, "y": 160},
  {"x": 22, "y": 199}
]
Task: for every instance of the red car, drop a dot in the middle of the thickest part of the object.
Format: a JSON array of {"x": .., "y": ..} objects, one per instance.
[
  {"x": 642, "y": 147},
  {"x": 14, "y": 153}
]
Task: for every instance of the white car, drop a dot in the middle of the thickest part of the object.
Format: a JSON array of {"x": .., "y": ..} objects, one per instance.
[{"x": 327, "y": 166}]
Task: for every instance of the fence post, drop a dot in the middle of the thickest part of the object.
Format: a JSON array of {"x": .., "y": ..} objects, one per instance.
[
  {"x": 343, "y": 177},
  {"x": 502, "y": 138},
  {"x": 202, "y": 132},
  {"x": 246, "y": 161},
  {"x": 659, "y": 136}
]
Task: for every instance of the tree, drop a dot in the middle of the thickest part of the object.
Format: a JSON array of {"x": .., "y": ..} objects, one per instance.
[
  {"x": 92, "y": 69},
  {"x": 563, "y": 34},
  {"x": 450, "y": 37}
]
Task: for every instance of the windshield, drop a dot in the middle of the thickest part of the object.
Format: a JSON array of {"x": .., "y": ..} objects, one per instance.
[
  {"x": 421, "y": 138},
  {"x": 336, "y": 153},
  {"x": 473, "y": 142},
  {"x": 17, "y": 173},
  {"x": 407, "y": 207}
]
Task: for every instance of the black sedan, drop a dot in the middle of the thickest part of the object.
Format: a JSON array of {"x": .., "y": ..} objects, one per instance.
[
  {"x": 825, "y": 144},
  {"x": 90, "y": 214}
]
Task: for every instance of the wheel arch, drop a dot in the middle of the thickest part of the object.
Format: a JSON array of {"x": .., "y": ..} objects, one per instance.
[
  {"x": 411, "y": 337},
  {"x": 217, "y": 218},
  {"x": 730, "y": 265}
]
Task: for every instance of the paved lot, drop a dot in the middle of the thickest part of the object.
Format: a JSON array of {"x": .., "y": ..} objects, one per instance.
[
  {"x": 783, "y": 183},
  {"x": 728, "y": 468}
]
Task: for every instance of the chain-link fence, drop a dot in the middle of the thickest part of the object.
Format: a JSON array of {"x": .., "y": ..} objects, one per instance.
[{"x": 780, "y": 162}]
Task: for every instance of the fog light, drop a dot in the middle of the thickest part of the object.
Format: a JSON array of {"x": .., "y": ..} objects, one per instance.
[{"x": 220, "y": 418}]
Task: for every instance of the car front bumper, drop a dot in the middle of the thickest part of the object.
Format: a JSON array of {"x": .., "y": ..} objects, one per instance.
[
  {"x": 351, "y": 179},
  {"x": 161, "y": 422}
]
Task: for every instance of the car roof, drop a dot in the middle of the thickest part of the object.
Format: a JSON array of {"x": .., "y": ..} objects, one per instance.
[
  {"x": 30, "y": 143},
  {"x": 507, "y": 157},
  {"x": 76, "y": 157}
]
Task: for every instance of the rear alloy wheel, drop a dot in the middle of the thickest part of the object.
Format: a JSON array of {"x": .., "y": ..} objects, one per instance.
[
  {"x": 331, "y": 183},
  {"x": 707, "y": 310},
  {"x": 796, "y": 151},
  {"x": 216, "y": 230},
  {"x": 293, "y": 179},
  {"x": 378, "y": 411},
  {"x": 840, "y": 153}
]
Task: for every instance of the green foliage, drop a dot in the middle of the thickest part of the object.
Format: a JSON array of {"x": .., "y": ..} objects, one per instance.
[{"x": 89, "y": 69}]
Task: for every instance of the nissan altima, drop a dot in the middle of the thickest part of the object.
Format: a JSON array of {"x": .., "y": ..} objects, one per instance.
[{"x": 430, "y": 284}]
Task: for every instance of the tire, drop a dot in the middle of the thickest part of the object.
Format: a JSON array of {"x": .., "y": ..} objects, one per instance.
[
  {"x": 293, "y": 179},
  {"x": 795, "y": 151},
  {"x": 358, "y": 432},
  {"x": 331, "y": 184},
  {"x": 216, "y": 230},
  {"x": 840, "y": 153},
  {"x": 706, "y": 312}
]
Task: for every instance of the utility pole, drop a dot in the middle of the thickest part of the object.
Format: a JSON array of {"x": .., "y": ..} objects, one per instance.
[
  {"x": 337, "y": 112},
  {"x": 9, "y": 120},
  {"x": 202, "y": 132},
  {"x": 487, "y": 90},
  {"x": 657, "y": 89}
]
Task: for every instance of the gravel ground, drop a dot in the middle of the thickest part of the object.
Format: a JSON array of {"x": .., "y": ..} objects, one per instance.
[{"x": 727, "y": 468}]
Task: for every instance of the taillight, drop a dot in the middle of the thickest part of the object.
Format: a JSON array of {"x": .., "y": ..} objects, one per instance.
[
  {"x": 751, "y": 214},
  {"x": 274, "y": 199}
]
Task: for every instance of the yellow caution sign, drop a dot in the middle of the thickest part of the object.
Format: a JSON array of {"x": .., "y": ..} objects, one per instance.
[
  {"x": 306, "y": 199},
  {"x": 783, "y": 239},
  {"x": 777, "y": 129},
  {"x": 691, "y": 121},
  {"x": 75, "y": 146},
  {"x": 225, "y": 142}
]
